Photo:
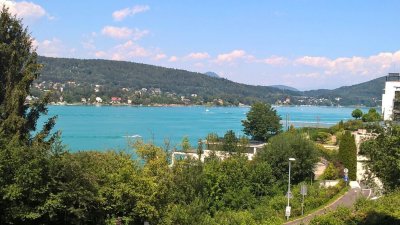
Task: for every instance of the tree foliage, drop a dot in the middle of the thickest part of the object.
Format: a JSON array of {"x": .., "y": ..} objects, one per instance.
[
  {"x": 348, "y": 154},
  {"x": 330, "y": 173},
  {"x": 384, "y": 155},
  {"x": 186, "y": 144},
  {"x": 371, "y": 116},
  {"x": 262, "y": 122},
  {"x": 290, "y": 145},
  {"x": 230, "y": 142},
  {"x": 25, "y": 153},
  {"x": 18, "y": 69},
  {"x": 357, "y": 114}
]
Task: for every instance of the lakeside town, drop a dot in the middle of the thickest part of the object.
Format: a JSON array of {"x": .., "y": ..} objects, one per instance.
[{"x": 71, "y": 93}]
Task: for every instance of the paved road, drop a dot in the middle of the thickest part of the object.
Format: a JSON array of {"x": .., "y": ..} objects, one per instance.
[{"x": 347, "y": 200}]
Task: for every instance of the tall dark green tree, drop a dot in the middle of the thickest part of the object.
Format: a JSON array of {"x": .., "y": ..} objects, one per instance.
[
  {"x": 348, "y": 154},
  {"x": 24, "y": 156},
  {"x": 18, "y": 69},
  {"x": 262, "y": 122}
]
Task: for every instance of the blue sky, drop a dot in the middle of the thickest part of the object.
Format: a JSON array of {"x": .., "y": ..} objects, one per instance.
[{"x": 301, "y": 43}]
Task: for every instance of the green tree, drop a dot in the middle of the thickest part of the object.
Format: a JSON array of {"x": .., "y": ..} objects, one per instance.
[
  {"x": 230, "y": 142},
  {"x": 384, "y": 155},
  {"x": 25, "y": 153},
  {"x": 290, "y": 145},
  {"x": 348, "y": 154},
  {"x": 200, "y": 148},
  {"x": 185, "y": 144},
  {"x": 262, "y": 122},
  {"x": 243, "y": 144},
  {"x": 357, "y": 114},
  {"x": 212, "y": 141},
  {"x": 372, "y": 116}
]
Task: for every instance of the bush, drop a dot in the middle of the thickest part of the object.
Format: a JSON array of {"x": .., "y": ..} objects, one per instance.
[
  {"x": 234, "y": 218},
  {"x": 330, "y": 173},
  {"x": 321, "y": 137},
  {"x": 371, "y": 116}
]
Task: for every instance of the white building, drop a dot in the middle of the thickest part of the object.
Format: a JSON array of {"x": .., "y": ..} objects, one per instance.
[
  {"x": 392, "y": 86},
  {"x": 99, "y": 100}
]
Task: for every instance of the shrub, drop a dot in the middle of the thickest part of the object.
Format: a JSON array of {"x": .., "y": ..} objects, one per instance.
[
  {"x": 330, "y": 173},
  {"x": 321, "y": 137}
]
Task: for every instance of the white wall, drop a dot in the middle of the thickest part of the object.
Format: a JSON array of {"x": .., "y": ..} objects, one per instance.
[{"x": 387, "y": 98}]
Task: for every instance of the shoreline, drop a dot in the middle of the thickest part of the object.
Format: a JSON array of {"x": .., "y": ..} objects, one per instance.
[{"x": 194, "y": 105}]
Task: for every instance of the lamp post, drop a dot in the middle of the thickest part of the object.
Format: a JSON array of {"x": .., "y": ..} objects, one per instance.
[{"x": 288, "y": 209}]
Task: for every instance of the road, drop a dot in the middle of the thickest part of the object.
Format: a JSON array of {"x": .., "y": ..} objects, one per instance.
[{"x": 347, "y": 200}]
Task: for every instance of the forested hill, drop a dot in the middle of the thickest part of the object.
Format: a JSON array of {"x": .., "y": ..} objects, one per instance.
[
  {"x": 368, "y": 93},
  {"x": 73, "y": 79},
  {"x": 116, "y": 78}
]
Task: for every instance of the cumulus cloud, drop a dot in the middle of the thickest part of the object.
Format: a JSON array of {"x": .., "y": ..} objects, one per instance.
[
  {"x": 369, "y": 66},
  {"x": 26, "y": 10},
  {"x": 120, "y": 15},
  {"x": 51, "y": 47},
  {"x": 275, "y": 60},
  {"x": 124, "y": 32},
  {"x": 229, "y": 57},
  {"x": 173, "y": 59},
  {"x": 313, "y": 61},
  {"x": 160, "y": 56},
  {"x": 100, "y": 54},
  {"x": 127, "y": 51},
  {"x": 198, "y": 55}
]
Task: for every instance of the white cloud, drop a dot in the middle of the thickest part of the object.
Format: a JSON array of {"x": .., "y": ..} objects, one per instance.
[
  {"x": 120, "y": 15},
  {"x": 160, "y": 56},
  {"x": 52, "y": 48},
  {"x": 124, "y": 32},
  {"x": 26, "y": 10},
  {"x": 313, "y": 61},
  {"x": 127, "y": 51},
  {"x": 275, "y": 60},
  {"x": 374, "y": 65},
  {"x": 198, "y": 55},
  {"x": 100, "y": 54},
  {"x": 173, "y": 59},
  {"x": 229, "y": 57}
]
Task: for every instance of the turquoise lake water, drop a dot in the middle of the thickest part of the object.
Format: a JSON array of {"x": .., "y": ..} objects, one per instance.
[{"x": 109, "y": 127}]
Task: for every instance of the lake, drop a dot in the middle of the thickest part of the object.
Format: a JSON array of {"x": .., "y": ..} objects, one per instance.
[{"x": 110, "y": 127}]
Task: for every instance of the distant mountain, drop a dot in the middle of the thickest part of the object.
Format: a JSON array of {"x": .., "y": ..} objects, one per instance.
[
  {"x": 212, "y": 74},
  {"x": 84, "y": 78},
  {"x": 284, "y": 87},
  {"x": 368, "y": 93}
]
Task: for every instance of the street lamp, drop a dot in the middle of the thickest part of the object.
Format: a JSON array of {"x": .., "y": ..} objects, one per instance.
[{"x": 288, "y": 209}]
